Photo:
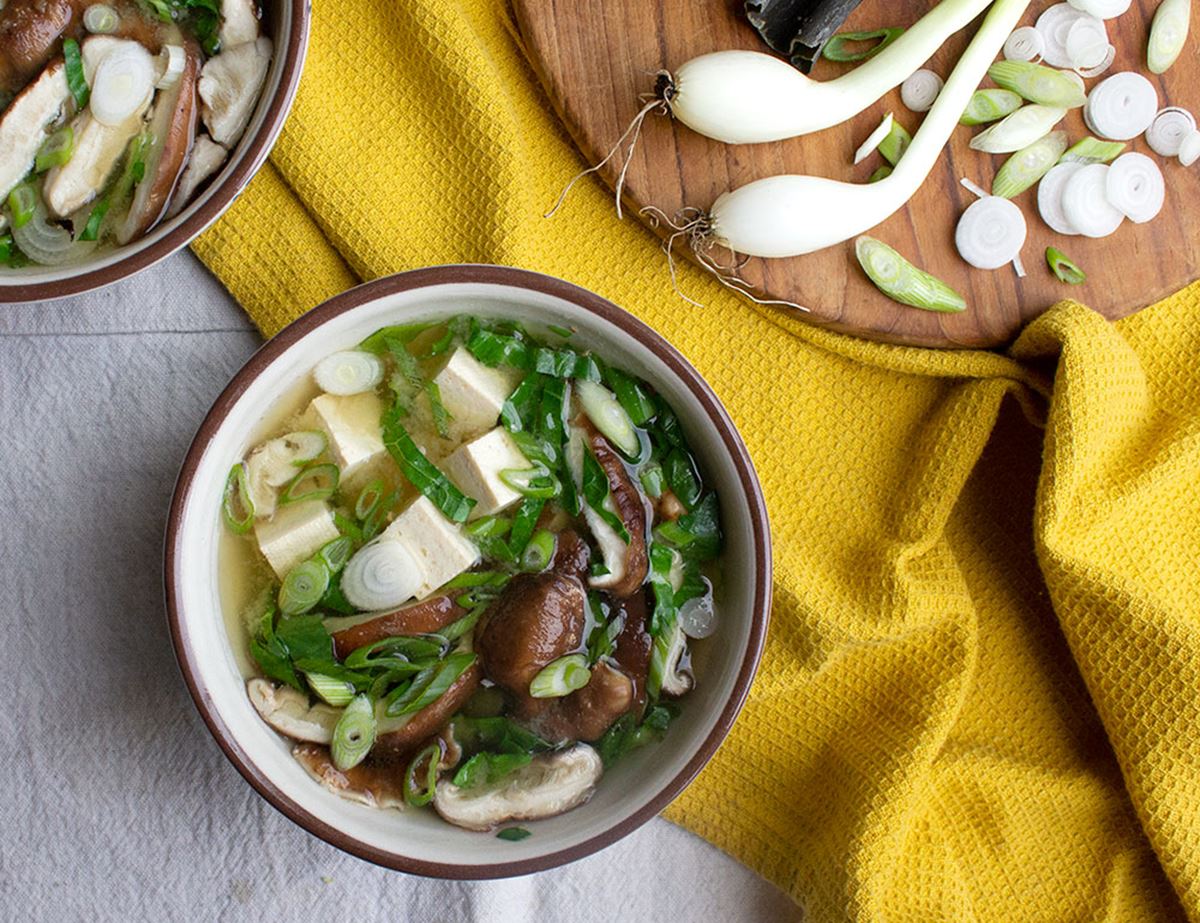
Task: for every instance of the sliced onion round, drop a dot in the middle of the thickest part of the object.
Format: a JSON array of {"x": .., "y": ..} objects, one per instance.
[
  {"x": 1189, "y": 151},
  {"x": 1135, "y": 187},
  {"x": 697, "y": 617},
  {"x": 352, "y": 371},
  {"x": 382, "y": 574},
  {"x": 1049, "y": 197},
  {"x": 920, "y": 91},
  {"x": 123, "y": 82},
  {"x": 1085, "y": 202},
  {"x": 1025, "y": 44},
  {"x": 173, "y": 60},
  {"x": 47, "y": 242},
  {"x": 1168, "y": 131},
  {"x": 990, "y": 233},
  {"x": 1087, "y": 43},
  {"x": 1110, "y": 55},
  {"x": 1122, "y": 106},
  {"x": 1102, "y": 9},
  {"x": 1055, "y": 25}
]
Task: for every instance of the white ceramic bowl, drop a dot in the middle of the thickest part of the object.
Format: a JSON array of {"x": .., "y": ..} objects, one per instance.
[{"x": 418, "y": 841}]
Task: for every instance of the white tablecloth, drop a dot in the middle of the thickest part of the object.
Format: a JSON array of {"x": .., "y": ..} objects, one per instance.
[{"x": 119, "y": 806}]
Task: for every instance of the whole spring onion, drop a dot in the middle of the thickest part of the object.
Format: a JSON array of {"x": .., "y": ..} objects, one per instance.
[
  {"x": 303, "y": 587},
  {"x": 76, "y": 82},
  {"x": 1021, "y": 129},
  {"x": 1063, "y": 268},
  {"x": 876, "y": 40},
  {"x": 901, "y": 281},
  {"x": 1168, "y": 34},
  {"x": 420, "y": 778},
  {"x": 1038, "y": 84},
  {"x": 56, "y": 150},
  {"x": 1028, "y": 165},
  {"x": 332, "y": 691},
  {"x": 539, "y": 551},
  {"x": 561, "y": 677},
  {"x": 237, "y": 497},
  {"x": 354, "y": 734},
  {"x": 1092, "y": 150},
  {"x": 990, "y": 106},
  {"x": 100, "y": 19}
]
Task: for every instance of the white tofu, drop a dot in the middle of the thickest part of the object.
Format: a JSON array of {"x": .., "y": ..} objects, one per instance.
[
  {"x": 294, "y": 533},
  {"x": 474, "y": 393},
  {"x": 438, "y": 544},
  {"x": 352, "y": 425},
  {"x": 475, "y": 469}
]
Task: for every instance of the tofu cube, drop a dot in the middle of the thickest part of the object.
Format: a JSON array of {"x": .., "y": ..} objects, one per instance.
[
  {"x": 474, "y": 393},
  {"x": 475, "y": 469},
  {"x": 438, "y": 545},
  {"x": 294, "y": 533},
  {"x": 352, "y": 425}
]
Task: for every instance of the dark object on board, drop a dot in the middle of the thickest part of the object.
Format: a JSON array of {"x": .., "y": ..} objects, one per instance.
[{"x": 799, "y": 28}]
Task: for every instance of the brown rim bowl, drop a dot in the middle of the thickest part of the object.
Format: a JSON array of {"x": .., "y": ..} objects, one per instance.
[
  {"x": 637, "y": 788},
  {"x": 287, "y": 24}
]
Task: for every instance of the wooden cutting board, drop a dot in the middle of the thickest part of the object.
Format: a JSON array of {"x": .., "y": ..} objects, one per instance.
[{"x": 595, "y": 58}]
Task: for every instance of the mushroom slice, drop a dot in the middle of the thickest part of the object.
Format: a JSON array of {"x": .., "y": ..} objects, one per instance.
[
  {"x": 551, "y": 784},
  {"x": 399, "y": 737},
  {"x": 204, "y": 160},
  {"x": 98, "y": 149},
  {"x": 29, "y": 34},
  {"x": 229, "y": 87},
  {"x": 173, "y": 126},
  {"x": 677, "y": 678},
  {"x": 369, "y": 784},
  {"x": 429, "y": 615},
  {"x": 239, "y": 22},
  {"x": 23, "y": 128},
  {"x": 288, "y": 711}
]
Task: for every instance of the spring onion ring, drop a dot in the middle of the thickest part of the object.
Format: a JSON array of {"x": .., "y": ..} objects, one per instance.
[
  {"x": 1055, "y": 25},
  {"x": 123, "y": 80},
  {"x": 1168, "y": 34},
  {"x": 920, "y": 91},
  {"x": 351, "y": 371},
  {"x": 561, "y": 677},
  {"x": 1135, "y": 187},
  {"x": 1025, "y": 126},
  {"x": 1167, "y": 132},
  {"x": 419, "y": 787},
  {"x": 1049, "y": 198},
  {"x": 537, "y": 554},
  {"x": 101, "y": 19},
  {"x": 1025, "y": 44},
  {"x": 901, "y": 281},
  {"x": 354, "y": 734},
  {"x": 1085, "y": 203},
  {"x": 1102, "y": 9},
  {"x": 315, "y": 482},
  {"x": 1028, "y": 165},
  {"x": 1087, "y": 43},
  {"x": 1121, "y": 107},
  {"x": 303, "y": 587},
  {"x": 335, "y": 692},
  {"x": 990, "y": 233},
  {"x": 1063, "y": 268},
  {"x": 383, "y": 573},
  {"x": 237, "y": 494},
  {"x": 174, "y": 60}
]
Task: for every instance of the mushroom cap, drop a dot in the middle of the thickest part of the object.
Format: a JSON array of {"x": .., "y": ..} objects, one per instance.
[
  {"x": 239, "y": 22},
  {"x": 29, "y": 34},
  {"x": 204, "y": 160},
  {"x": 229, "y": 87},
  {"x": 419, "y": 618},
  {"x": 288, "y": 712},
  {"x": 367, "y": 783},
  {"x": 550, "y": 784}
]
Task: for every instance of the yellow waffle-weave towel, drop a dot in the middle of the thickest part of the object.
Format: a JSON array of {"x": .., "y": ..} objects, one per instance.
[{"x": 981, "y": 694}]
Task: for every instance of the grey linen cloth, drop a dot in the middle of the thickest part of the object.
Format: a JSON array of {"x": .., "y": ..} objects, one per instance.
[{"x": 117, "y": 804}]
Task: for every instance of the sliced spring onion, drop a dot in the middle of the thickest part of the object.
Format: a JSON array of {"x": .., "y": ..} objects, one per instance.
[
  {"x": 423, "y": 474},
  {"x": 881, "y": 172},
  {"x": 1087, "y": 43},
  {"x": 382, "y": 574},
  {"x": 368, "y": 499},
  {"x": 836, "y": 48},
  {"x": 609, "y": 417},
  {"x": 441, "y": 416},
  {"x": 122, "y": 82},
  {"x": 1063, "y": 268},
  {"x": 1135, "y": 187},
  {"x": 1168, "y": 130},
  {"x": 874, "y": 139},
  {"x": 990, "y": 106},
  {"x": 1168, "y": 34},
  {"x": 893, "y": 146},
  {"x": 237, "y": 495},
  {"x": 1085, "y": 203},
  {"x": 315, "y": 482},
  {"x": 513, "y": 834},
  {"x": 351, "y": 371},
  {"x": 1028, "y": 165},
  {"x": 651, "y": 477},
  {"x": 47, "y": 242},
  {"x": 91, "y": 230},
  {"x": 420, "y": 784},
  {"x": 429, "y": 685},
  {"x": 539, "y": 551},
  {"x": 22, "y": 203},
  {"x": 354, "y": 734},
  {"x": 1055, "y": 26},
  {"x": 1021, "y": 129},
  {"x": 336, "y": 553},
  {"x": 1110, "y": 56},
  {"x": 1121, "y": 107},
  {"x": 920, "y": 91},
  {"x": 1049, "y": 198},
  {"x": 990, "y": 233},
  {"x": 56, "y": 150},
  {"x": 100, "y": 19},
  {"x": 174, "y": 60},
  {"x": 1092, "y": 150},
  {"x": 1025, "y": 44},
  {"x": 1037, "y": 83},
  {"x": 76, "y": 82},
  {"x": 561, "y": 677},
  {"x": 303, "y": 587},
  {"x": 632, "y": 395},
  {"x": 332, "y": 691},
  {"x": 1102, "y": 9},
  {"x": 1189, "y": 150},
  {"x": 537, "y": 481},
  {"x": 901, "y": 281}
]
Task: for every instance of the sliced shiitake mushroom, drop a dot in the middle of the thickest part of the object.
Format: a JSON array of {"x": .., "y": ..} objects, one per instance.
[
  {"x": 428, "y": 615},
  {"x": 29, "y": 35}
]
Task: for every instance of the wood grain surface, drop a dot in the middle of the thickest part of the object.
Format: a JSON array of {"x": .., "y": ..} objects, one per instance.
[{"x": 595, "y": 58}]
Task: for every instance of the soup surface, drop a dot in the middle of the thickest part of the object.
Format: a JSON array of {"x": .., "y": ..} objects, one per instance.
[
  {"x": 463, "y": 567},
  {"x": 114, "y": 115}
]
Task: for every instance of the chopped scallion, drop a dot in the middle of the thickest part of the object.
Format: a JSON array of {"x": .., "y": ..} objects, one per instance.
[
  {"x": 420, "y": 786},
  {"x": 55, "y": 150},
  {"x": 429, "y": 685},
  {"x": 315, "y": 482},
  {"x": 423, "y": 474},
  {"x": 22, "y": 202},
  {"x": 441, "y": 416},
  {"x": 513, "y": 834},
  {"x": 354, "y": 734},
  {"x": 896, "y": 142},
  {"x": 561, "y": 677},
  {"x": 1064, "y": 268},
  {"x": 303, "y": 587},
  {"x": 76, "y": 81},
  {"x": 237, "y": 496},
  {"x": 539, "y": 551},
  {"x": 990, "y": 105},
  {"x": 333, "y": 691},
  {"x": 91, "y": 230},
  {"x": 901, "y": 281}
]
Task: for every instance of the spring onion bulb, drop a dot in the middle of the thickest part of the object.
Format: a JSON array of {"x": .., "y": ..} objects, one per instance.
[
  {"x": 1025, "y": 44},
  {"x": 895, "y": 143},
  {"x": 1085, "y": 202},
  {"x": 354, "y": 734},
  {"x": 1038, "y": 84},
  {"x": 561, "y": 677},
  {"x": 1189, "y": 150},
  {"x": 101, "y": 19},
  {"x": 990, "y": 106},
  {"x": 1168, "y": 34},
  {"x": 785, "y": 216},
  {"x": 1134, "y": 186},
  {"x": 608, "y": 416},
  {"x": 920, "y": 91},
  {"x": 1063, "y": 268},
  {"x": 1121, "y": 107},
  {"x": 123, "y": 81},
  {"x": 1102, "y": 9},
  {"x": 382, "y": 574},
  {"x": 990, "y": 233},
  {"x": 1087, "y": 43},
  {"x": 874, "y": 139},
  {"x": 747, "y": 97},
  {"x": 335, "y": 692},
  {"x": 351, "y": 371},
  {"x": 1092, "y": 150},
  {"x": 173, "y": 60},
  {"x": 303, "y": 587},
  {"x": 1167, "y": 132},
  {"x": 1021, "y": 129},
  {"x": 1049, "y": 198},
  {"x": 1055, "y": 25},
  {"x": 1028, "y": 165},
  {"x": 901, "y": 281}
]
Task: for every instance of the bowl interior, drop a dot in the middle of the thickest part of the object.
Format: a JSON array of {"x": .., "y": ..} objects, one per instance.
[{"x": 417, "y": 840}]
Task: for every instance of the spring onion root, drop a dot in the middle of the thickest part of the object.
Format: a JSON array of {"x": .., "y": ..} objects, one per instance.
[
  {"x": 1028, "y": 165},
  {"x": 990, "y": 233},
  {"x": 1168, "y": 34},
  {"x": 901, "y": 281},
  {"x": 1063, "y": 268}
]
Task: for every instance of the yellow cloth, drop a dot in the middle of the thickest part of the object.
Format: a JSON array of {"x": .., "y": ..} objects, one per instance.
[{"x": 979, "y": 696}]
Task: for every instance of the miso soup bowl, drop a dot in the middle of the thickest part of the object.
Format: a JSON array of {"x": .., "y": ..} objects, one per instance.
[
  {"x": 286, "y": 23},
  {"x": 419, "y": 841}
]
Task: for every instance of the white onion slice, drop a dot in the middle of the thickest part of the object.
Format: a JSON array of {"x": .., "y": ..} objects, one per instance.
[
  {"x": 1055, "y": 25},
  {"x": 1169, "y": 129},
  {"x": 352, "y": 371},
  {"x": 1087, "y": 43},
  {"x": 920, "y": 91},
  {"x": 382, "y": 574},
  {"x": 1085, "y": 202},
  {"x": 1049, "y": 197},
  {"x": 1135, "y": 187},
  {"x": 1189, "y": 151},
  {"x": 172, "y": 59},
  {"x": 990, "y": 233},
  {"x": 124, "y": 79},
  {"x": 1110, "y": 55},
  {"x": 1025, "y": 44},
  {"x": 697, "y": 616},
  {"x": 1102, "y": 9},
  {"x": 874, "y": 139},
  {"x": 1121, "y": 107}
]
